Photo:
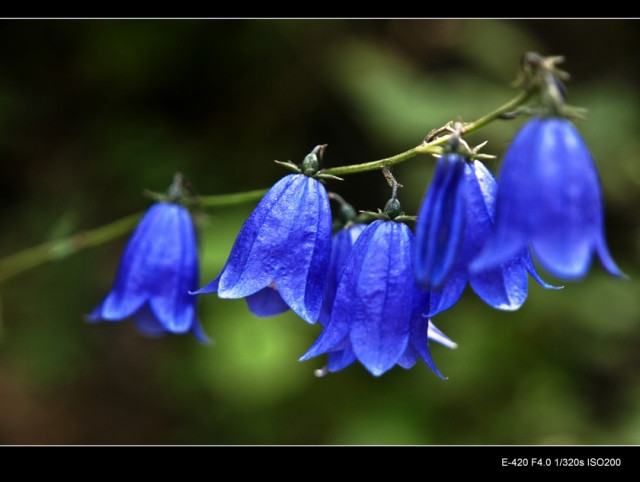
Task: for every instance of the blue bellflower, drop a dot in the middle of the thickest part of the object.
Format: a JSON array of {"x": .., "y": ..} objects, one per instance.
[
  {"x": 376, "y": 317},
  {"x": 341, "y": 245},
  {"x": 549, "y": 199},
  {"x": 503, "y": 286},
  {"x": 158, "y": 269},
  {"x": 338, "y": 359},
  {"x": 280, "y": 257},
  {"x": 440, "y": 223}
]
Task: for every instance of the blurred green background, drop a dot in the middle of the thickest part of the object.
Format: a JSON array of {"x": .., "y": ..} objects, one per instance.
[{"x": 94, "y": 111}]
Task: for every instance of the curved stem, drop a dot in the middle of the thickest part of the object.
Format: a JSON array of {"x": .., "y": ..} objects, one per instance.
[
  {"x": 373, "y": 165},
  {"x": 433, "y": 147},
  {"x": 220, "y": 200},
  {"x": 61, "y": 248}
]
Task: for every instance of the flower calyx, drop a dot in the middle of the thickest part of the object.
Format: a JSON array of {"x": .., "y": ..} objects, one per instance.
[
  {"x": 542, "y": 74},
  {"x": 310, "y": 165},
  {"x": 179, "y": 192},
  {"x": 392, "y": 212},
  {"x": 457, "y": 145}
]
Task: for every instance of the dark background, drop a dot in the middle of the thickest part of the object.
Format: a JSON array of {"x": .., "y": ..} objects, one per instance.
[{"x": 94, "y": 111}]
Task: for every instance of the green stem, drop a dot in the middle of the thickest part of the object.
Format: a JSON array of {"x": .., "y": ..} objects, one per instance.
[
  {"x": 373, "y": 165},
  {"x": 220, "y": 200},
  {"x": 61, "y": 248},
  {"x": 508, "y": 107},
  {"x": 433, "y": 147}
]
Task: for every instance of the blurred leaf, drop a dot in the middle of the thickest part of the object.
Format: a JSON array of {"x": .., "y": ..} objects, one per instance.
[
  {"x": 400, "y": 104},
  {"x": 253, "y": 361},
  {"x": 495, "y": 46}
]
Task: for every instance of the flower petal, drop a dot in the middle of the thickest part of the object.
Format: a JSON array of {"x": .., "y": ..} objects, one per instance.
[
  {"x": 383, "y": 295},
  {"x": 174, "y": 264},
  {"x": 448, "y": 295},
  {"x": 266, "y": 302},
  {"x": 569, "y": 214},
  {"x": 605, "y": 258},
  {"x": 287, "y": 239},
  {"x": 253, "y": 260},
  {"x": 409, "y": 358},
  {"x": 341, "y": 245},
  {"x": 335, "y": 336},
  {"x": 440, "y": 223},
  {"x": 147, "y": 322},
  {"x": 420, "y": 341},
  {"x": 303, "y": 262},
  {"x": 211, "y": 287},
  {"x": 340, "y": 359},
  {"x": 436, "y": 335},
  {"x": 528, "y": 263},
  {"x": 549, "y": 200},
  {"x": 504, "y": 287},
  {"x": 132, "y": 286}
]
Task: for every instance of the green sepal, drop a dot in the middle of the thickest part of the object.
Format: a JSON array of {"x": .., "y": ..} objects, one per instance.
[
  {"x": 321, "y": 175},
  {"x": 290, "y": 165},
  {"x": 404, "y": 217}
]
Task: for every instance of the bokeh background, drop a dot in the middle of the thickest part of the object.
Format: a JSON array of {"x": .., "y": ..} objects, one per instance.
[{"x": 94, "y": 111}]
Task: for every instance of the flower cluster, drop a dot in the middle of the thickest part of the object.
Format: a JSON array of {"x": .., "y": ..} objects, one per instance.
[
  {"x": 454, "y": 223},
  {"x": 372, "y": 284},
  {"x": 377, "y": 314}
]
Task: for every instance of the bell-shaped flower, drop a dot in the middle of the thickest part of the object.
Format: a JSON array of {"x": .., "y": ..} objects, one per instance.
[
  {"x": 422, "y": 330},
  {"x": 440, "y": 223},
  {"x": 503, "y": 286},
  {"x": 281, "y": 254},
  {"x": 158, "y": 269},
  {"x": 375, "y": 304},
  {"x": 549, "y": 200},
  {"x": 341, "y": 244}
]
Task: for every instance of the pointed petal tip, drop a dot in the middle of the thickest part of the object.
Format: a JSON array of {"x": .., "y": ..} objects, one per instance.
[
  {"x": 618, "y": 274},
  {"x": 435, "y": 334},
  {"x": 507, "y": 306},
  {"x": 91, "y": 318},
  {"x": 300, "y": 310},
  {"x": 536, "y": 276},
  {"x": 311, "y": 319},
  {"x": 432, "y": 366},
  {"x": 608, "y": 263},
  {"x": 266, "y": 303},
  {"x": 198, "y": 332},
  {"x": 434, "y": 369},
  {"x": 623, "y": 276},
  {"x": 98, "y": 315},
  {"x": 211, "y": 287},
  {"x": 204, "y": 339},
  {"x": 303, "y": 315},
  {"x": 548, "y": 286},
  {"x": 376, "y": 371},
  {"x": 314, "y": 350},
  {"x": 306, "y": 356}
]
